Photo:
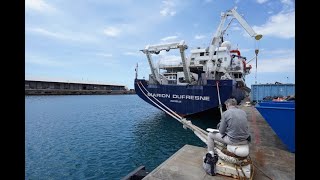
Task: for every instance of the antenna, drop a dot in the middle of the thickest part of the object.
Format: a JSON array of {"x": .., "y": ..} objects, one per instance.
[{"x": 136, "y": 69}]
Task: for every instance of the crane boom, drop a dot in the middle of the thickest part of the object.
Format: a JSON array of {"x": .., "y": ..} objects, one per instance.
[
  {"x": 217, "y": 39},
  {"x": 245, "y": 25}
]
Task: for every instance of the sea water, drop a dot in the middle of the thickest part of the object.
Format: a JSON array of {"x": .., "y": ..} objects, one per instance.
[{"x": 100, "y": 136}]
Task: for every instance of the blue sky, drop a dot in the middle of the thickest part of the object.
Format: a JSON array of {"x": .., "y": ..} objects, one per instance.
[{"x": 99, "y": 40}]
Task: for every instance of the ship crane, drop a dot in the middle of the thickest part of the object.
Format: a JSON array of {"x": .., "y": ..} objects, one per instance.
[
  {"x": 218, "y": 37},
  {"x": 155, "y": 49},
  {"x": 188, "y": 86}
]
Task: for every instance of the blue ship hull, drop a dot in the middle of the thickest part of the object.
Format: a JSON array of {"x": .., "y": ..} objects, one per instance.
[
  {"x": 280, "y": 115},
  {"x": 188, "y": 99}
]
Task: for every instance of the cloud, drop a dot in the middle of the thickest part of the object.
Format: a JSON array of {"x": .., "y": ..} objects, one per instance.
[
  {"x": 281, "y": 25},
  {"x": 287, "y": 2},
  {"x": 169, "y": 60},
  {"x": 63, "y": 36},
  {"x": 168, "y": 8},
  {"x": 276, "y": 65},
  {"x": 31, "y": 59},
  {"x": 125, "y": 29},
  {"x": 103, "y": 59},
  {"x": 235, "y": 28},
  {"x": 261, "y": 1},
  {"x": 132, "y": 54},
  {"x": 104, "y": 54},
  {"x": 281, "y": 52},
  {"x": 169, "y": 38},
  {"x": 281, "y": 60},
  {"x": 38, "y": 5},
  {"x": 288, "y": 5},
  {"x": 45, "y": 32},
  {"x": 166, "y": 12},
  {"x": 246, "y": 50},
  {"x": 112, "y": 31},
  {"x": 199, "y": 36}
]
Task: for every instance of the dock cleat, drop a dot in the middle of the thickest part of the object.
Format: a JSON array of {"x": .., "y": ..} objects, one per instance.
[{"x": 233, "y": 160}]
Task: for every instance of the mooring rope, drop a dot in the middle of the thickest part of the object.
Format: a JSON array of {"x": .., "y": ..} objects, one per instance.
[
  {"x": 179, "y": 118},
  {"x": 159, "y": 106},
  {"x": 177, "y": 115},
  {"x": 200, "y": 133}
]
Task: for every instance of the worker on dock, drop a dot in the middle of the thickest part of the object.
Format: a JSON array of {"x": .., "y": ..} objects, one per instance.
[{"x": 233, "y": 127}]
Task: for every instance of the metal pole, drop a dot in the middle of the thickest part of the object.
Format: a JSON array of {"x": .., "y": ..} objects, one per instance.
[
  {"x": 220, "y": 106},
  {"x": 136, "y": 71},
  {"x": 256, "y": 51}
]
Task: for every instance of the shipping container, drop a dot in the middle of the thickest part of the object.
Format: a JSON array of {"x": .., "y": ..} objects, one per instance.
[{"x": 261, "y": 91}]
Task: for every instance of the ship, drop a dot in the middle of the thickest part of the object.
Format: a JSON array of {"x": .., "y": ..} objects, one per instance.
[
  {"x": 202, "y": 81},
  {"x": 280, "y": 115}
]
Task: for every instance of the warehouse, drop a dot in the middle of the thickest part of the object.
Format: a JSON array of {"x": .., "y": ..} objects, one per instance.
[{"x": 37, "y": 87}]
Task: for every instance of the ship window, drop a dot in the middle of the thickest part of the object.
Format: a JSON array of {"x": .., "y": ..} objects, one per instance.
[
  {"x": 181, "y": 80},
  {"x": 192, "y": 59},
  {"x": 240, "y": 75},
  {"x": 207, "y": 53},
  {"x": 236, "y": 75},
  {"x": 202, "y": 54}
]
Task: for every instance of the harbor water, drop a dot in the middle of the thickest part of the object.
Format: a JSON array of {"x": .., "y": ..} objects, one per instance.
[{"x": 100, "y": 136}]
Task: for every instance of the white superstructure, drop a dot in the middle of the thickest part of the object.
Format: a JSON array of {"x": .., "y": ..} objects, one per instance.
[{"x": 218, "y": 61}]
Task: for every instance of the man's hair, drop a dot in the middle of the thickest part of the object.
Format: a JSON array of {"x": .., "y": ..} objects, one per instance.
[{"x": 231, "y": 101}]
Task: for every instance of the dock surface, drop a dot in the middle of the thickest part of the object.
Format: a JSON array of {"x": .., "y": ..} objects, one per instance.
[{"x": 271, "y": 159}]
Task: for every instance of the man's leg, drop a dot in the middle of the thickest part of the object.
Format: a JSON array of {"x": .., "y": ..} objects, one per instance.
[{"x": 211, "y": 138}]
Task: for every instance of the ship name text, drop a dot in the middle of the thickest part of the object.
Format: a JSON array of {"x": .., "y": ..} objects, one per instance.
[{"x": 176, "y": 96}]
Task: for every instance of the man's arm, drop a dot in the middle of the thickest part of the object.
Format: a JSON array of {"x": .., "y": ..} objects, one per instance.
[{"x": 223, "y": 125}]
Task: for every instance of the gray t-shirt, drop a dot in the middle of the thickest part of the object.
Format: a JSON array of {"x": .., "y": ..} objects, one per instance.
[{"x": 234, "y": 124}]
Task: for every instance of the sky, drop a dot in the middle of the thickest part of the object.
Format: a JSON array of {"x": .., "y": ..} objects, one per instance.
[{"x": 99, "y": 41}]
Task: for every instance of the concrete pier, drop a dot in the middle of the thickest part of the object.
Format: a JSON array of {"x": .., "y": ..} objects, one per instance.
[{"x": 271, "y": 159}]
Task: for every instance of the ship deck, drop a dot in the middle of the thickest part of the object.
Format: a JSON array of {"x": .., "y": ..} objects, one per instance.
[{"x": 271, "y": 158}]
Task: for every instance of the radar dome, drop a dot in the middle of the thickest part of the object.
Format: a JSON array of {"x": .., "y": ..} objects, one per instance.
[{"x": 226, "y": 44}]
